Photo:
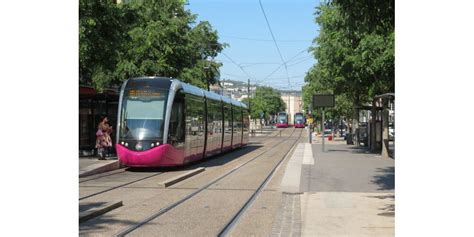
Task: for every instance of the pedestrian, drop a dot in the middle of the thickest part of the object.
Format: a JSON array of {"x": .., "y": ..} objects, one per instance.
[{"x": 103, "y": 139}]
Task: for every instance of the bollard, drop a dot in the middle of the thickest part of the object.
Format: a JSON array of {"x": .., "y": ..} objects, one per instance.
[{"x": 280, "y": 133}]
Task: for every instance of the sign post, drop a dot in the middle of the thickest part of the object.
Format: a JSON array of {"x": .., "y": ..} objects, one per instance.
[
  {"x": 323, "y": 101},
  {"x": 309, "y": 121},
  {"x": 322, "y": 126}
]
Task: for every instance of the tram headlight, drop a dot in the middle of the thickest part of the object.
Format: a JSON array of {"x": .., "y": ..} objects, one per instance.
[
  {"x": 122, "y": 143},
  {"x": 126, "y": 144},
  {"x": 152, "y": 145},
  {"x": 157, "y": 143}
]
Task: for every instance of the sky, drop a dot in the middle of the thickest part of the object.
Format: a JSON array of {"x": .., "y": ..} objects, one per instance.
[{"x": 251, "y": 51}]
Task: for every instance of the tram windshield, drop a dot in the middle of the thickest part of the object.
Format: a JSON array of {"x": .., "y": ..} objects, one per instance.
[
  {"x": 282, "y": 117},
  {"x": 142, "y": 115},
  {"x": 299, "y": 116}
]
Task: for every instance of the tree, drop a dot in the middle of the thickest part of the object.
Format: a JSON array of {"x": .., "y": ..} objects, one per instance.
[
  {"x": 164, "y": 43},
  {"x": 100, "y": 35},
  {"x": 145, "y": 38},
  {"x": 204, "y": 38},
  {"x": 354, "y": 52},
  {"x": 267, "y": 101}
]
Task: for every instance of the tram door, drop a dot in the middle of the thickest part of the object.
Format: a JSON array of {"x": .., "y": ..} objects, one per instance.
[{"x": 176, "y": 129}]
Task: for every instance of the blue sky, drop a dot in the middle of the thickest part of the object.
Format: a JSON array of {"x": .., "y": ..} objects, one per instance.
[{"x": 242, "y": 25}]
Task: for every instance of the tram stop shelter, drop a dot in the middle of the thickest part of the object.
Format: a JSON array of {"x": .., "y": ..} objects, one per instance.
[
  {"x": 362, "y": 128},
  {"x": 376, "y": 125},
  {"x": 382, "y": 125},
  {"x": 93, "y": 105}
]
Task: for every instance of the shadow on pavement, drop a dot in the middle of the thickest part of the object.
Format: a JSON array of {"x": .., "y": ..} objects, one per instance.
[
  {"x": 101, "y": 224},
  {"x": 360, "y": 150},
  {"x": 89, "y": 205},
  {"x": 217, "y": 160},
  {"x": 386, "y": 180},
  {"x": 389, "y": 209}
]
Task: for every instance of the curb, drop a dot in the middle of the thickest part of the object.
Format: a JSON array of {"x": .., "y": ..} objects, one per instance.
[
  {"x": 180, "y": 178},
  {"x": 87, "y": 215},
  {"x": 100, "y": 168}
]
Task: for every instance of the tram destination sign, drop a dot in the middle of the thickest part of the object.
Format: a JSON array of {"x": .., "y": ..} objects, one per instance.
[{"x": 323, "y": 101}]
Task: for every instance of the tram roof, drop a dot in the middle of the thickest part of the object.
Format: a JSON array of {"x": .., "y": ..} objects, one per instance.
[
  {"x": 176, "y": 84},
  {"x": 212, "y": 95},
  {"x": 190, "y": 89}
]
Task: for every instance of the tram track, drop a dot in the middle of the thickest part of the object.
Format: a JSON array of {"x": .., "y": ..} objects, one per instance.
[
  {"x": 134, "y": 181},
  {"x": 235, "y": 219},
  {"x": 122, "y": 170},
  {"x": 273, "y": 134},
  {"x": 120, "y": 186},
  {"x": 170, "y": 207}
]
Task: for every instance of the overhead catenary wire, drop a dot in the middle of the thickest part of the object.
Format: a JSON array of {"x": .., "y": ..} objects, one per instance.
[
  {"x": 281, "y": 65},
  {"x": 234, "y": 75},
  {"x": 264, "y": 40},
  {"x": 300, "y": 61},
  {"x": 236, "y": 64},
  {"x": 274, "y": 40},
  {"x": 279, "y": 78}
]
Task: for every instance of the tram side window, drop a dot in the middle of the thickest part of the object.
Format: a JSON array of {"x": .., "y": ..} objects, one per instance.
[
  {"x": 228, "y": 120},
  {"x": 177, "y": 119},
  {"x": 245, "y": 119}
]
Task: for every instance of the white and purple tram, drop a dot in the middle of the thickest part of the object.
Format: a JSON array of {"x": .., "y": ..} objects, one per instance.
[
  {"x": 299, "y": 121},
  {"x": 282, "y": 120},
  {"x": 165, "y": 122}
]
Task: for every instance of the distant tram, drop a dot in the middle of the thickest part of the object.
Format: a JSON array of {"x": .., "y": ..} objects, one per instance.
[
  {"x": 165, "y": 122},
  {"x": 282, "y": 120},
  {"x": 299, "y": 121}
]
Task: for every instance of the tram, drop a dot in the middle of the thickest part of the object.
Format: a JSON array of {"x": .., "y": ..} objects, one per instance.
[
  {"x": 164, "y": 122},
  {"x": 282, "y": 120},
  {"x": 299, "y": 120}
]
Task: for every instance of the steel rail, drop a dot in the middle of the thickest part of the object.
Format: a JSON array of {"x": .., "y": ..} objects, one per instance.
[
  {"x": 133, "y": 227},
  {"x": 119, "y": 186},
  {"x": 235, "y": 219},
  {"x": 119, "y": 171}
]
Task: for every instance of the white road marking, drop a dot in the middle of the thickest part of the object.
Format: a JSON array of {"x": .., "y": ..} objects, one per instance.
[
  {"x": 308, "y": 155},
  {"x": 291, "y": 179}
]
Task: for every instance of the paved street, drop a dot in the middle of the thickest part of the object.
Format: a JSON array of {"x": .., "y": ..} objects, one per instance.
[
  {"x": 346, "y": 192},
  {"x": 344, "y": 168}
]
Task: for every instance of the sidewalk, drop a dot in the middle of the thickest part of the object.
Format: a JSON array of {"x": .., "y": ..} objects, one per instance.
[
  {"x": 92, "y": 165},
  {"x": 345, "y": 191}
]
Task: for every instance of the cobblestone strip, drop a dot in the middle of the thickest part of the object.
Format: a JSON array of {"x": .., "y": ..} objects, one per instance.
[{"x": 288, "y": 219}]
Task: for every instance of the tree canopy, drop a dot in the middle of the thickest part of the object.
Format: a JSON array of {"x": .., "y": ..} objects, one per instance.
[
  {"x": 267, "y": 101},
  {"x": 354, "y": 52},
  {"x": 145, "y": 38}
]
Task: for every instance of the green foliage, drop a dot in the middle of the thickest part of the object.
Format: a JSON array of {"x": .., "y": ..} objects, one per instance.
[
  {"x": 100, "y": 36},
  {"x": 267, "y": 101},
  {"x": 354, "y": 53},
  {"x": 145, "y": 38}
]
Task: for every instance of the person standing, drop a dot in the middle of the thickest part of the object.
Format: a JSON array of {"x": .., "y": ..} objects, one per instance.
[{"x": 103, "y": 139}]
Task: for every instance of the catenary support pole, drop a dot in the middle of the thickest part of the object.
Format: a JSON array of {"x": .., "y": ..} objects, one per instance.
[{"x": 322, "y": 126}]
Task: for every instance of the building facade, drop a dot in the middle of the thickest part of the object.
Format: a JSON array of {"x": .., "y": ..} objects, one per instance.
[{"x": 293, "y": 102}]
